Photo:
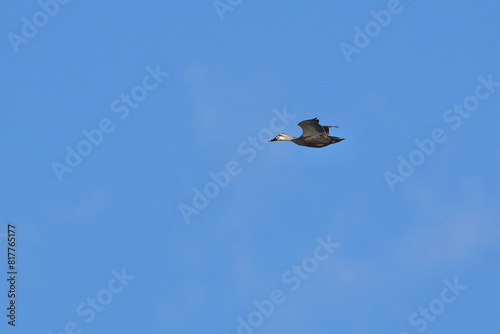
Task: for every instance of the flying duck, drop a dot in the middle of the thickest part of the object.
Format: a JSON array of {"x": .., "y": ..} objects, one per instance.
[{"x": 313, "y": 135}]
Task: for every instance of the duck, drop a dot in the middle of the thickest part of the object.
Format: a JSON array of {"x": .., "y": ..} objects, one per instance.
[{"x": 313, "y": 135}]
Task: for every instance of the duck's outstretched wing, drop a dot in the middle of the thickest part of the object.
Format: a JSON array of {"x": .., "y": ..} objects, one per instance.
[{"x": 311, "y": 127}]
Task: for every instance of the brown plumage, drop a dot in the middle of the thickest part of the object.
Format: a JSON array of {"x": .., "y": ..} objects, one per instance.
[{"x": 313, "y": 135}]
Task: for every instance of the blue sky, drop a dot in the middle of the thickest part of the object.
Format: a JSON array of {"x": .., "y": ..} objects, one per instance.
[{"x": 117, "y": 116}]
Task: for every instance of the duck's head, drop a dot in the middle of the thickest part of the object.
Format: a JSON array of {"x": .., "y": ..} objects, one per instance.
[{"x": 282, "y": 137}]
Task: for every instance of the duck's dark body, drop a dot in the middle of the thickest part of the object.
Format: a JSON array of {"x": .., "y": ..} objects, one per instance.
[{"x": 316, "y": 141}]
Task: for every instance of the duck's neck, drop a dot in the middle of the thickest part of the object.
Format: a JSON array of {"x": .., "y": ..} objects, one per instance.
[{"x": 285, "y": 137}]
